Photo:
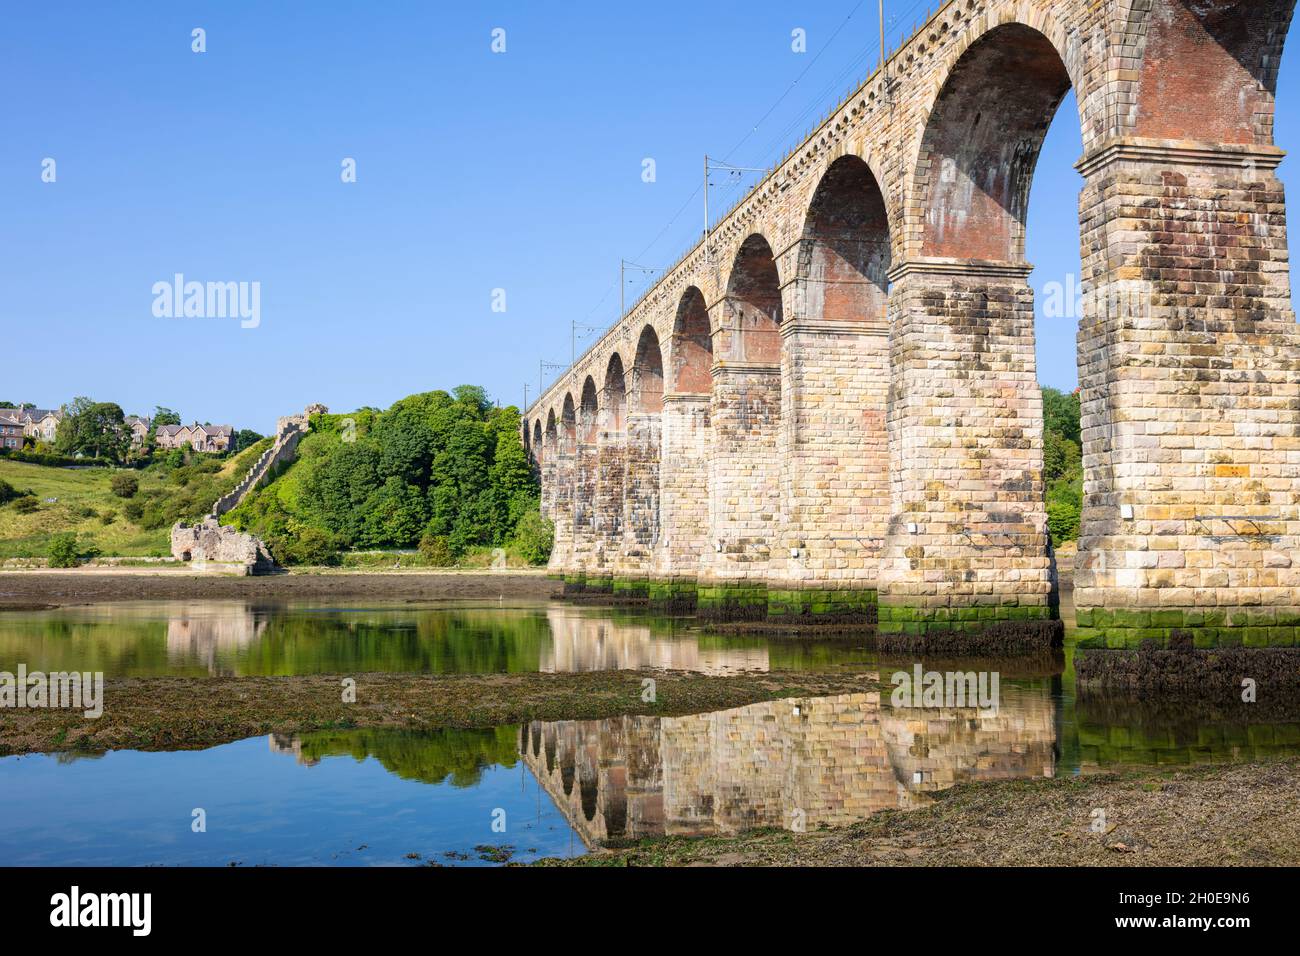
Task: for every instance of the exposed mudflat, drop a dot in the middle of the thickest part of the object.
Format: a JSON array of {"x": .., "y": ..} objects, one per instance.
[
  {"x": 21, "y": 590},
  {"x": 179, "y": 713}
]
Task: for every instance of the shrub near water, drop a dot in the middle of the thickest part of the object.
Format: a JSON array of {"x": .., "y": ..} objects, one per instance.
[
  {"x": 436, "y": 551},
  {"x": 63, "y": 550}
]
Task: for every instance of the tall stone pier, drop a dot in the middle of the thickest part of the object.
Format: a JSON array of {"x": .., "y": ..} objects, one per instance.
[{"x": 843, "y": 421}]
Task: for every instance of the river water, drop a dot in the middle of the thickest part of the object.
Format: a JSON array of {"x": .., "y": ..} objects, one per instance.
[{"x": 520, "y": 792}]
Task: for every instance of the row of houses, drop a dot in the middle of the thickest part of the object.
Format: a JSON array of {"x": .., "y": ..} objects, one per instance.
[
  {"x": 199, "y": 437},
  {"x": 215, "y": 438},
  {"x": 41, "y": 424}
]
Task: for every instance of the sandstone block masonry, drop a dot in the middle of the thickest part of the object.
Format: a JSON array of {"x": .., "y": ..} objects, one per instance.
[{"x": 850, "y": 421}]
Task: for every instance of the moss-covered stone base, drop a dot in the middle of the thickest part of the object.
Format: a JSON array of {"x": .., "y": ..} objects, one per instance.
[
  {"x": 632, "y": 589},
  {"x": 787, "y": 606},
  {"x": 979, "y": 629},
  {"x": 608, "y": 591},
  {"x": 1204, "y": 628},
  {"x": 575, "y": 582},
  {"x": 675, "y": 596},
  {"x": 731, "y": 602},
  {"x": 599, "y": 584}
]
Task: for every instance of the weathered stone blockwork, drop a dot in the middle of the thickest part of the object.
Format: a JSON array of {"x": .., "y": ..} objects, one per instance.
[
  {"x": 211, "y": 546},
  {"x": 970, "y": 528},
  {"x": 641, "y": 526},
  {"x": 861, "y": 328},
  {"x": 683, "y": 500},
  {"x": 1190, "y": 368}
]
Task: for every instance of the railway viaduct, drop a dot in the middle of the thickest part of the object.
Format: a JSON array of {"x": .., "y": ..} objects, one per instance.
[{"x": 830, "y": 407}]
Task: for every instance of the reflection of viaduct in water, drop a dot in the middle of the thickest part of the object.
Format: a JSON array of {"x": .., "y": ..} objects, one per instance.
[
  {"x": 582, "y": 642},
  {"x": 827, "y": 760},
  {"x": 203, "y": 634}
]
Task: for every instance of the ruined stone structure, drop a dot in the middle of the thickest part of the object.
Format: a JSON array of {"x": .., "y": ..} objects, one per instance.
[
  {"x": 796, "y": 763},
  {"x": 830, "y": 405},
  {"x": 212, "y": 546}
]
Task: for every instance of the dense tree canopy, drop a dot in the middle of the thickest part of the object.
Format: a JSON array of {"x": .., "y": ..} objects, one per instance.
[
  {"x": 1062, "y": 463},
  {"x": 440, "y": 465},
  {"x": 95, "y": 429}
]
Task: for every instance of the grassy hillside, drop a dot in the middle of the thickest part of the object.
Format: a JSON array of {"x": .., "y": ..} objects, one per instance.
[{"x": 84, "y": 503}]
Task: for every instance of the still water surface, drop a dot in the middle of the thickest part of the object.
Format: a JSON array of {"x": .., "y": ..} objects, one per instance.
[{"x": 366, "y": 797}]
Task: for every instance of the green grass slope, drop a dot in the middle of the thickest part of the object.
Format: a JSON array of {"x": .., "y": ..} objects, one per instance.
[{"x": 81, "y": 501}]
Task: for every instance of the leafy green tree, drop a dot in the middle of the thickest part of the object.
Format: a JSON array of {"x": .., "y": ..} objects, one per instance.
[
  {"x": 474, "y": 398},
  {"x": 93, "y": 428},
  {"x": 534, "y": 537},
  {"x": 513, "y": 484},
  {"x": 406, "y": 439},
  {"x": 1061, "y": 413},
  {"x": 1063, "y": 511},
  {"x": 335, "y": 494},
  {"x": 312, "y": 546},
  {"x": 244, "y": 438},
  {"x": 436, "y": 550},
  {"x": 1060, "y": 456},
  {"x": 394, "y": 515}
]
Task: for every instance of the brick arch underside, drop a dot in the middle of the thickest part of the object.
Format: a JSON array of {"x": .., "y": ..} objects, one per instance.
[{"x": 981, "y": 144}]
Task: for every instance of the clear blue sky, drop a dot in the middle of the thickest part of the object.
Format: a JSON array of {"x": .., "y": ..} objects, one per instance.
[{"x": 476, "y": 171}]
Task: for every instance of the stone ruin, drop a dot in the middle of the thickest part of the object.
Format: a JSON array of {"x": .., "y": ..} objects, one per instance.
[{"x": 212, "y": 546}]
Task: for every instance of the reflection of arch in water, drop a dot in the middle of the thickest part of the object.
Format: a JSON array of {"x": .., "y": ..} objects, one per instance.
[
  {"x": 549, "y": 742},
  {"x": 565, "y": 755},
  {"x": 587, "y": 779},
  {"x": 830, "y": 760},
  {"x": 619, "y": 788}
]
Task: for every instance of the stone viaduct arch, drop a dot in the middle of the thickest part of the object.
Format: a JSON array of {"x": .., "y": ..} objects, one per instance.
[{"x": 850, "y": 412}]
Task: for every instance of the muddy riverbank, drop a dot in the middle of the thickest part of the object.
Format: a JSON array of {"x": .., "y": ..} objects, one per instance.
[
  {"x": 1221, "y": 815},
  {"x": 173, "y": 713},
  {"x": 19, "y": 589}
]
